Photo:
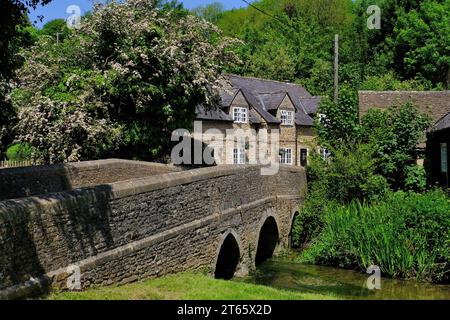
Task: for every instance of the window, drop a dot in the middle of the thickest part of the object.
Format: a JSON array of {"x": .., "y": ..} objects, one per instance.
[
  {"x": 287, "y": 118},
  {"x": 240, "y": 115},
  {"x": 325, "y": 154},
  {"x": 238, "y": 156},
  {"x": 286, "y": 156},
  {"x": 444, "y": 158}
]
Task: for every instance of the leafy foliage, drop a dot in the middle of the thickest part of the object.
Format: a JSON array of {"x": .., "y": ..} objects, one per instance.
[
  {"x": 395, "y": 133},
  {"x": 367, "y": 160},
  {"x": 16, "y": 34},
  {"x": 410, "y": 51},
  {"x": 19, "y": 152},
  {"x": 350, "y": 174},
  {"x": 53, "y": 27},
  {"x": 211, "y": 12},
  {"x": 339, "y": 121},
  {"x": 406, "y": 235}
]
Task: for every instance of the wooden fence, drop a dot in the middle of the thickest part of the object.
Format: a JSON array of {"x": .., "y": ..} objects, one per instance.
[{"x": 16, "y": 164}]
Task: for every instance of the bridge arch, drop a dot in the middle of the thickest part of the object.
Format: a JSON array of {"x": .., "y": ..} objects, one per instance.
[
  {"x": 228, "y": 256},
  {"x": 268, "y": 240}
]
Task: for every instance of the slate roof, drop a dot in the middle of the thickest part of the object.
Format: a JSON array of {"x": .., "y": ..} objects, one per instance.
[
  {"x": 442, "y": 124},
  {"x": 253, "y": 117},
  {"x": 227, "y": 96},
  {"x": 258, "y": 86},
  {"x": 258, "y": 106},
  {"x": 264, "y": 96},
  {"x": 271, "y": 101},
  {"x": 434, "y": 103},
  {"x": 303, "y": 119},
  {"x": 310, "y": 105}
]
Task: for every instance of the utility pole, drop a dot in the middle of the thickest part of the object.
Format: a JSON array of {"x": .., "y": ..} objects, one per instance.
[
  {"x": 336, "y": 67},
  {"x": 57, "y": 37}
]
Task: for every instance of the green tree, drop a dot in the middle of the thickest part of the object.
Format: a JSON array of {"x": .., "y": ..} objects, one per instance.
[
  {"x": 420, "y": 42},
  {"x": 53, "y": 27},
  {"x": 395, "y": 134},
  {"x": 16, "y": 33},
  {"x": 338, "y": 123},
  {"x": 411, "y": 47}
]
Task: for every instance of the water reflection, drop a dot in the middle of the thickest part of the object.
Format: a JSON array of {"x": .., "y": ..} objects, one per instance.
[{"x": 342, "y": 283}]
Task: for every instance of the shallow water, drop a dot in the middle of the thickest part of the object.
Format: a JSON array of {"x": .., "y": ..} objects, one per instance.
[{"x": 342, "y": 283}]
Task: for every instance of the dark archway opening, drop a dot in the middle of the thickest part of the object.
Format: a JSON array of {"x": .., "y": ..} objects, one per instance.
[
  {"x": 228, "y": 259},
  {"x": 293, "y": 244},
  {"x": 268, "y": 240}
]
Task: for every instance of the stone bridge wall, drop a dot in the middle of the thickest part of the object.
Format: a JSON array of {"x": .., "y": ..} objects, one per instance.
[
  {"x": 141, "y": 228},
  {"x": 29, "y": 181}
]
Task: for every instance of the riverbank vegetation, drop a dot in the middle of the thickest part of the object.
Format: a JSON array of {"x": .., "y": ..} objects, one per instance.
[
  {"x": 406, "y": 234},
  {"x": 188, "y": 286},
  {"x": 368, "y": 202}
]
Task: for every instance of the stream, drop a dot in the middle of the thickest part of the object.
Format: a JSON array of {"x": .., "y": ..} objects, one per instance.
[{"x": 344, "y": 284}]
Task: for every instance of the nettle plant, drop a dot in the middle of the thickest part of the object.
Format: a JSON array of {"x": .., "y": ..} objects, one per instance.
[{"x": 119, "y": 84}]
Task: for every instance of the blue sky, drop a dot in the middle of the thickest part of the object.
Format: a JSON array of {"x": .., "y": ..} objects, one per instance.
[{"x": 57, "y": 8}]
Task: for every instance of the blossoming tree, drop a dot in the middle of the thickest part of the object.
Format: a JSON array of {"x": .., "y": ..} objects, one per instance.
[{"x": 119, "y": 84}]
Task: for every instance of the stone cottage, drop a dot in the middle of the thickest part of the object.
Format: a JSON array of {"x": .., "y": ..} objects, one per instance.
[
  {"x": 438, "y": 157},
  {"x": 259, "y": 105}
]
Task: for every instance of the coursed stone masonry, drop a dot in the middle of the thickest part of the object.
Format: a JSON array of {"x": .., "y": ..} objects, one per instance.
[{"x": 118, "y": 230}]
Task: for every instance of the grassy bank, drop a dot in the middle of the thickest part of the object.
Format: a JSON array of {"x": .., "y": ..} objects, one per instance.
[
  {"x": 187, "y": 286},
  {"x": 406, "y": 234}
]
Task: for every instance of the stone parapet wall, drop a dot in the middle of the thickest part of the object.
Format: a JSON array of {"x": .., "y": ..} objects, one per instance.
[{"x": 29, "y": 181}]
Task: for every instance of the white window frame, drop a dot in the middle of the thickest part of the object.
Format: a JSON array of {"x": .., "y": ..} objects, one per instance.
[
  {"x": 287, "y": 117},
  {"x": 325, "y": 154},
  {"x": 240, "y": 115},
  {"x": 283, "y": 156},
  {"x": 238, "y": 156}
]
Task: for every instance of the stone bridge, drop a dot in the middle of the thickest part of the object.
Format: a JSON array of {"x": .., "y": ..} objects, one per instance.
[{"x": 120, "y": 221}]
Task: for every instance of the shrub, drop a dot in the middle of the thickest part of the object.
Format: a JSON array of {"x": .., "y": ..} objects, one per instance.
[
  {"x": 416, "y": 178},
  {"x": 19, "y": 152},
  {"x": 350, "y": 173},
  {"x": 347, "y": 175},
  {"x": 308, "y": 225},
  {"x": 394, "y": 134},
  {"x": 407, "y": 235}
]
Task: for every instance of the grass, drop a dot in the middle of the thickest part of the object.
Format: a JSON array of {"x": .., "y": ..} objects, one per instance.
[{"x": 187, "y": 286}]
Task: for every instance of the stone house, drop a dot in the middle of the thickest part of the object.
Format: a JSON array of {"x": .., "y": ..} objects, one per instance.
[
  {"x": 260, "y": 105},
  {"x": 438, "y": 157}
]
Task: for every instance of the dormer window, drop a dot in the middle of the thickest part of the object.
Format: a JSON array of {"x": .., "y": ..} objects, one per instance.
[
  {"x": 240, "y": 115},
  {"x": 287, "y": 118}
]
